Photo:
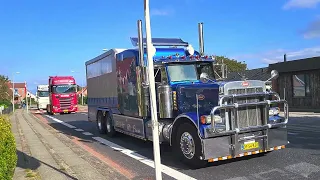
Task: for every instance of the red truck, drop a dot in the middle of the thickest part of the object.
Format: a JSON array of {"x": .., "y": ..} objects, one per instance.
[{"x": 62, "y": 95}]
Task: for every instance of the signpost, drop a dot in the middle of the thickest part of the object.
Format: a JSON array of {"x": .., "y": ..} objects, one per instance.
[{"x": 155, "y": 127}]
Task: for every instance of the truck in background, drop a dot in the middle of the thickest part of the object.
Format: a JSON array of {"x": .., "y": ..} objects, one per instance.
[
  {"x": 42, "y": 96},
  {"x": 62, "y": 95},
  {"x": 201, "y": 115}
]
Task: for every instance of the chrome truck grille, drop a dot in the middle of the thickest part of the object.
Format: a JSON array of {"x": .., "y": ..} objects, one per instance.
[
  {"x": 65, "y": 103},
  {"x": 248, "y": 116}
]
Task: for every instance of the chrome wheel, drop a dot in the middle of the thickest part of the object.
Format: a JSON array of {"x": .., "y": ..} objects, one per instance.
[
  {"x": 99, "y": 122},
  {"x": 108, "y": 127},
  {"x": 187, "y": 145}
]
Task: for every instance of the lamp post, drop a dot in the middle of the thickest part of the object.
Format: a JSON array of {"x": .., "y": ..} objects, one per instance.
[
  {"x": 82, "y": 87},
  {"x": 155, "y": 127},
  {"x": 13, "y": 90}
]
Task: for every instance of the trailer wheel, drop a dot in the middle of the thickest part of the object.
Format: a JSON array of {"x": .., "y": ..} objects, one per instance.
[
  {"x": 101, "y": 123},
  {"x": 188, "y": 146},
  {"x": 110, "y": 128}
]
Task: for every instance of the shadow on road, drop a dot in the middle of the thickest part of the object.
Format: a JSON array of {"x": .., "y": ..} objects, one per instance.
[
  {"x": 308, "y": 129},
  {"x": 27, "y": 162}
]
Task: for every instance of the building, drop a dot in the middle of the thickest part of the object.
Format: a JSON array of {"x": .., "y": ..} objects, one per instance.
[
  {"x": 83, "y": 91},
  {"x": 20, "y": 91},
  {"x": 299, "y": 83}
]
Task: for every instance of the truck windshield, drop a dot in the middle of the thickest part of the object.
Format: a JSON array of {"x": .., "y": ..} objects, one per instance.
[
  {"x": 189, "y": 72},
  {"x": 43, "y": 93},
  {"x": 64, "y": 89}
]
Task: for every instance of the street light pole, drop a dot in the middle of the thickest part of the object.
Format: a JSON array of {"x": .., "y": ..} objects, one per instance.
[
  {"x": 155, "y": 127},
  {"x": 82, "y": 87},
  {"x": 27, "y": 97},
  {"x": 82, "y": 92},
  {"x": 13, "y": 90}
]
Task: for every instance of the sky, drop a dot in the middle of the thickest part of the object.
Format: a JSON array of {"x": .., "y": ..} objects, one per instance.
[{"x": 44, "y": 38}]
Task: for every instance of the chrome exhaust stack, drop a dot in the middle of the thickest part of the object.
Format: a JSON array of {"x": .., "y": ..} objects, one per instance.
[
  {"x": 201, "y": 43},
  {"x": 140, "y": 43}
]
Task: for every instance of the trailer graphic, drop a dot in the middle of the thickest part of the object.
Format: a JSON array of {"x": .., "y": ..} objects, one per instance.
[{"x": 202, "y": 116}]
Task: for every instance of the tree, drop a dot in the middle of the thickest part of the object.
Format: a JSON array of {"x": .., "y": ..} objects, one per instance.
[
  {"x": 5, "y": 94},
  {"x": 232, "y": 64}
]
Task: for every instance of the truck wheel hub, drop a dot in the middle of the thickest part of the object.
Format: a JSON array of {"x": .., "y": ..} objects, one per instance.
[
  {"x": 187, "y": 145},
  {"x": 99, "y": 123}
]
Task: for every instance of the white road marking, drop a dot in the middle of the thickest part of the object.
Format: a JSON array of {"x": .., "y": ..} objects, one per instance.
[
  {"x": 84, "y": 113},
  {"x": 238, "y": 178},
  {"x": 87, "y": 133},
  {"x": 304, "y": 169},
  {"x": 59, "y": 121},
  {"x": 80, "y": 130},
  {"x": 165, "y": 169}
]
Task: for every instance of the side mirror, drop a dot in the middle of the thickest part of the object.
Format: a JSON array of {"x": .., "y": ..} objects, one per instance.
[
  {"x": 204, "y": 77},
  {"x": 274, "y": 75}
]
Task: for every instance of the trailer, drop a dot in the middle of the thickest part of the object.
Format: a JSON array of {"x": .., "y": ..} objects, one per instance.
[{"x": 201, "y": 115}]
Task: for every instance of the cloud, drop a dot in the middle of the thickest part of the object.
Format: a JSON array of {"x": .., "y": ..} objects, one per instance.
[
  {"x": 301, "y": 4},
  {"x": 160, "y": 12},
  {"x": 274, "y": 56},
  {"x": 313, "y": 30}
]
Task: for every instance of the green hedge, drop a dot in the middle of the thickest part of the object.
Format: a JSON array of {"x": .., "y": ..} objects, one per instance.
[
  {"x": 5, "y": 103},
  {"x": 8, "y": 156}
]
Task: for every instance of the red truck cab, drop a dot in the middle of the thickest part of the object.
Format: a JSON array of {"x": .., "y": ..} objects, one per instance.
[{"x": 62, "y": 95}]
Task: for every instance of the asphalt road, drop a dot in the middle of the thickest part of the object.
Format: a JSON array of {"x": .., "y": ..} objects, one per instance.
[{"x": 300, "y": 160}]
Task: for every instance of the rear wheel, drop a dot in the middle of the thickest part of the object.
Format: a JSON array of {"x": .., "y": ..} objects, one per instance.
[
  {"x": 110, "y": 128},
  {"x": 188, "y": 146},
  {"x": 101, "y": 123}
]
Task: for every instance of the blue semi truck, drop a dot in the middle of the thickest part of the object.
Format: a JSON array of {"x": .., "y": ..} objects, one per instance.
[{"x": 203, "y": 117}]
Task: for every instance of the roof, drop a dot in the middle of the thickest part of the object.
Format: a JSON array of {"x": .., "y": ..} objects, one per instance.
[
  {"x": 312, "y": 63},
  {"x": 17, "y": 85},
  {"x": 262, "y": 74}
]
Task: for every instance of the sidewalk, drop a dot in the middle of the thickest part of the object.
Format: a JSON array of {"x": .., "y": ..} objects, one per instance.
[
  {"x": 45, "y": 154},
  {"x": 82, "y": 108}
]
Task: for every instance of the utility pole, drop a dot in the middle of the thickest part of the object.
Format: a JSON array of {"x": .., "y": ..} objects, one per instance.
[
  {"x": 25, "y": 83},
  {"x": 155, "y": 127},
  {"x": 13, "y": 93},
  {"x": 13, "y": 90}
]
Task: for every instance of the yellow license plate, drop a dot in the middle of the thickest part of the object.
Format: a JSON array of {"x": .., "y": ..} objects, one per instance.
[
  {"x": 66, "y": 110},
  {"x": 250, "y": 145}
]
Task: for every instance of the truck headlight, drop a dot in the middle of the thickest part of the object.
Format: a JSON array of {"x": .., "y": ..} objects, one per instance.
[
  {"x": 207, "y": 119},
  {"x": 274, "y": 111},
  {"x": 221, "y": 90}
]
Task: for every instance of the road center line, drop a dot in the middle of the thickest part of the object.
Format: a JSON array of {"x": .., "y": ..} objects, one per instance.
[{"x": 165, "y": 169}]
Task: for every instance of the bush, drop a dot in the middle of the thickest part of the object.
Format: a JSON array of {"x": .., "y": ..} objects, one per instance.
[
  {"x": 8, "y": 156},
  {"x": 5, "y": 103}
]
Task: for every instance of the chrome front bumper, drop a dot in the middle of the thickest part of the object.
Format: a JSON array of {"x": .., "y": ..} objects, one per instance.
[{"x": 229, "y": 143}]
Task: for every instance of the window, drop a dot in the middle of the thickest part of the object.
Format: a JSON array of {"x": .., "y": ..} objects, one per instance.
[
  {"x": 43, "y": 93},
  {"x": 98, "y": 68},
  {"x": 64, "y": 89},
  {"x": 301, "y": 85},
  {"x": 182, "y": 72}
]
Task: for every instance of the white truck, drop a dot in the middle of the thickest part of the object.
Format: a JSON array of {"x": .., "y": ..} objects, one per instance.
[{"x": 42, "y": 96}]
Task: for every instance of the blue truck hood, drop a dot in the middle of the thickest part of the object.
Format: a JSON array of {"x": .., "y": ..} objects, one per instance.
[{"x": 186, "y": 96}]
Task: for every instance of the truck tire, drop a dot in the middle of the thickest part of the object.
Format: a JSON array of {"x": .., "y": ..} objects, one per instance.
[
  {"x": 188, "y": 146},
  {"x": 101, "y": 123},
  {"x": 109, "y": 124}
]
